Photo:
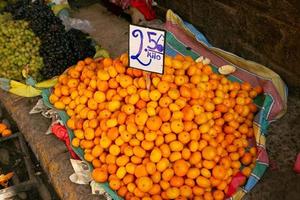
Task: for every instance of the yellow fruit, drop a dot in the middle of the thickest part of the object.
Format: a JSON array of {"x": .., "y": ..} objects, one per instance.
[
  {"x": 151, "y": 111},
  {"x": 155, "y": 95},
  {"x": 144, "y": 184},
  {"x": 121, "y": 172},
  {"x": 155, "y": 155},
  {"x": 111, "y": 123},
  {"x": 145, "y": 95},
  {"x": 53, "y": 98},
  {"x": 105, "y": 142},
  {"x": 163, "y": 164},
  {"x": 177, "y": 126},
  {"x": 99, "y": 97},
  {"x": 176, "y": 146},
  {"x": 59, "y": 105},
  {"x": 113, "y": 105},
  {"x": 79, "y": 134},
  {"x": 103, "y": 75},
  {"x": 172, "y": 193},
  {"x": 133, "y": 99},
  {"x": 174, "y": 94},
  {"x": 125, "y": 81},
  {"x": 114, "y": 150},
  {"x": 128, "y": 109},
  {"x": 141, "y": 118}
]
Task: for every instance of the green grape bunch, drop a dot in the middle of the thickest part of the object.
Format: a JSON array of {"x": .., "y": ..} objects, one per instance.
[{"x": 19, "y": 50}]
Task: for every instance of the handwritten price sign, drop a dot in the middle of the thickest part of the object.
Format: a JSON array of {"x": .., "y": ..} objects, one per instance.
[{"x": 146, "y": 48}]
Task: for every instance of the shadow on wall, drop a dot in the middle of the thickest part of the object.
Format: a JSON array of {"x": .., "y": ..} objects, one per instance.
[{"x": 263, "y": 31}]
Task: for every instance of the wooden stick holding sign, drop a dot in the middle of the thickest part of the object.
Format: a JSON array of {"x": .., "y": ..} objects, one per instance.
[{"x": 147, "y": 49}]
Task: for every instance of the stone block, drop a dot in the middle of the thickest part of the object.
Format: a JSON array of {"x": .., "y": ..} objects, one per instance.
[{"x": 216, "y": 20}]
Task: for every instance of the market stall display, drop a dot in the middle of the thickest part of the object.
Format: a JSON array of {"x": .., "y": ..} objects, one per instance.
[
  {"x": 189, "y": 133},
  {"x": 185, "y": 133}
]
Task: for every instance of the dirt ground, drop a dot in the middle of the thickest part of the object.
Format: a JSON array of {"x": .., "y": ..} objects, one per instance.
[{"x": 283, "y": 142}]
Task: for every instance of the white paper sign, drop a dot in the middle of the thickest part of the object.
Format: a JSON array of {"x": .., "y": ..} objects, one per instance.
[{"x": 146, "y": 49}]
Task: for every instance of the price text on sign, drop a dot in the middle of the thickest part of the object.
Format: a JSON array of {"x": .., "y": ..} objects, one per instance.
[{"x": 146, "y": 48}]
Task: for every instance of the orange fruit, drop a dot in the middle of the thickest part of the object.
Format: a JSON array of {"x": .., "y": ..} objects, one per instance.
[
  {"x": 186, "y": 153},
  {"x": 198, "y": 191},
  {"x": 177, "y": 126},
  {"x": 111, "y": 168},
  {"x": 156, "y": 189},
  {"x": 184, "y": 137},
  {"x": 122, "y": 191},
  {"x": 186, "y": 191},
  {"x": 246, "y": 159},
  {"x": 206, "y": 173},
  {"x": 115, "y": 184},
  {"x": 99, "y": 175},
  {"x": 53, "y": 98},
  {"x": 172, "y": 193},
  {"x": 175, "y": 156},
  {"x": 208, "y": 196},
  {"x": 114, "y": 150},
  {"x": 6, "y": 132},
  {"x": 203, "y": 182},
  {"x": 209, "y": 152},
  {"x": 140, "y": 171},
  {"x": 234, "y": 156},
  {"x": 151, "y": 168},
  {"x": 195, "y": 158},
  {"x": 181, "y": 167},
  {"x": 141, "y": 118},
  {"x": 218, "y": 195},
  {"x": 167, "y": 174},
  {"x": 188, "y": 113},
  {"x": 236, "y": 164},
  {"x": 246, "y": 171},
  {"x": 164, "y": 114},
  {"x": 150, "y": 136},
  {"x": 139, "y": 152},
  {"x": 163, "y": 164},
  {"x": 89, "y": 133},
  {"x": 208, "y": 164},
  {"x": 174, "y": 94},
  {"x": 121, "y": 172},
  {"x": 163, "y": 86},
  {"x": 130, "y": 168},
  {"x": 144, "y": 184},
  {"x": 155, "y": 155},
  {"x": 154, "y": 123},
  {"x": 122, "y": 160},
  {"x": 165, "y": 150},
  {"x": 193, "y": 173},
  {"x": 176, "y": 146},
  {"x": 219, "y": 172},
  {"x": 189, "y": 182}
]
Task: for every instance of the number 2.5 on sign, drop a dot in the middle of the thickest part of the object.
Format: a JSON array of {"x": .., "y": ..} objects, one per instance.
[{"x": 146, "y": 48}]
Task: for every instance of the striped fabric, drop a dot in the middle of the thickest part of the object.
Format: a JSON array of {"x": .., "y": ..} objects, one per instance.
[{"x": 183, "y": 38}]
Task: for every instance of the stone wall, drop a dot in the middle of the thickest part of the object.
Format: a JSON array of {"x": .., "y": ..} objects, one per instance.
[{"x": 267, "y": 31}]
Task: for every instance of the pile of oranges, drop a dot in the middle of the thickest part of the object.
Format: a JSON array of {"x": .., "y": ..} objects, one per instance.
[
  {"x": 4, "y": 130},
  {"x": 180, "y": 135}
]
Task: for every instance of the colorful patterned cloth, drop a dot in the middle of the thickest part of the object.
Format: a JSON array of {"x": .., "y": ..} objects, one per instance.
[{"x": 183, "y": 38}]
